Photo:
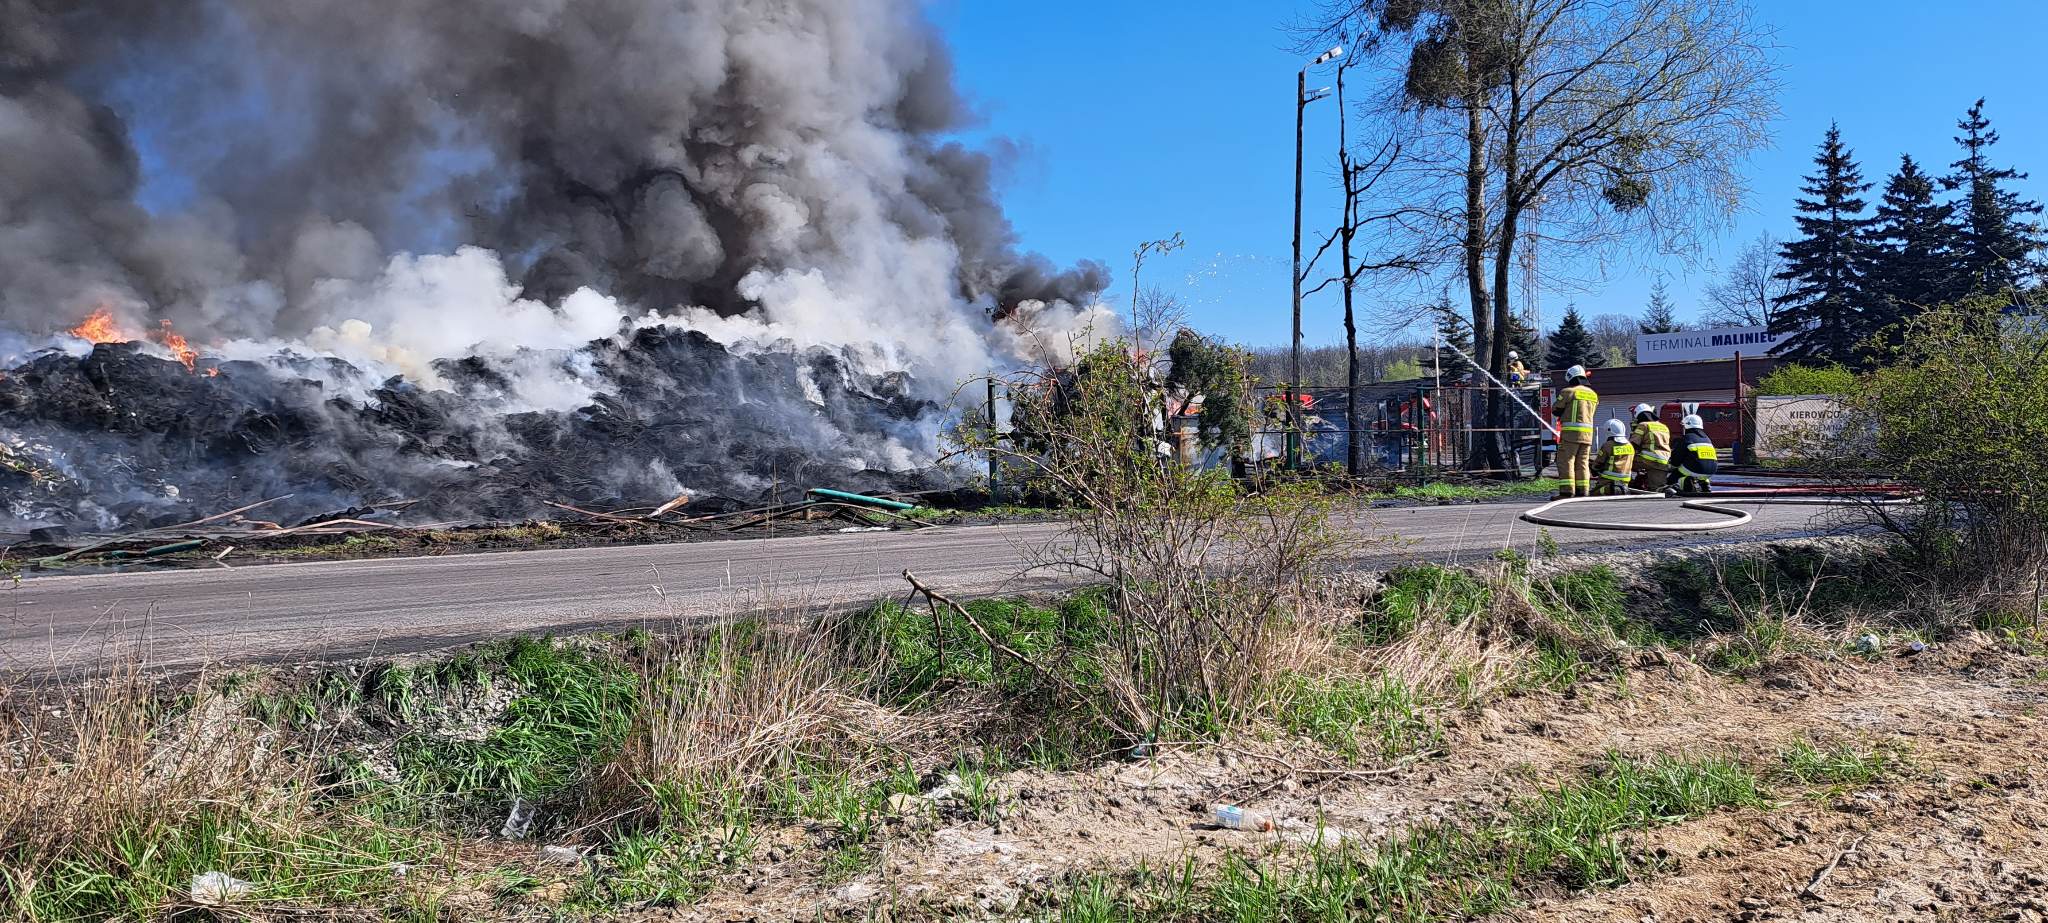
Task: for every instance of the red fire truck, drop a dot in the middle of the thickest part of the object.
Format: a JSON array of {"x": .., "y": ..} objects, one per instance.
[{"x": 1724, "y": 419}]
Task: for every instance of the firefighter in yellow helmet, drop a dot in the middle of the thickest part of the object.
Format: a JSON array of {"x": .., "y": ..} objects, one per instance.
[
  {"x": 1616, "y": 462},
  {"x": 1576, "y": 434},
  {"x": 1652, "y": 440}
]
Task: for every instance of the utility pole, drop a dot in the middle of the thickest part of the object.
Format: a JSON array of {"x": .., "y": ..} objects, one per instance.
[{"x": 1301, "y": 101}]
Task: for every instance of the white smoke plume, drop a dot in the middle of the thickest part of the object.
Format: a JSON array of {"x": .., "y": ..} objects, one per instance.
[{"x": 500, "y": 200}]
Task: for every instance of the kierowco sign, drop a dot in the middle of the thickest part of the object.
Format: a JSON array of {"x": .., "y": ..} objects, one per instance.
[{"x": 1695, "y": 345}]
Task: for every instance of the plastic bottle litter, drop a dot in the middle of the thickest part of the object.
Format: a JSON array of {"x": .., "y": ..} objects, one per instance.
[
  {"x": 560, "y": 855},
  {"x": 1237, "y": 818},
  {"x": 519, "y": 822},
  {"x": 216, "y": 888},
  {"x": 1869, "y": 644}
]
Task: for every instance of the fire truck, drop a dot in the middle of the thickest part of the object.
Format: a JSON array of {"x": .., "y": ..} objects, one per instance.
[{"x": 1725, "y": 421}]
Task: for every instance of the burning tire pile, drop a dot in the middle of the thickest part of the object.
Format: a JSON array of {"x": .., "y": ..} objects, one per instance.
[
  {"x": 486, "y": 255},
  {"x": 120, "y": 437}
]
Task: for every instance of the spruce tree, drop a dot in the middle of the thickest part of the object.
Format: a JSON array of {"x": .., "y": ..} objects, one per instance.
[
  {"x": 1571, "y": 344},
  {"x": 1996, "y": 239},
  {"x": 1913, "y": 255},
  {"x": 1453, "y": 327},
  {"x": 1523, "y": 339},
  {"x": 1660, "y": 316},
  {"x": 1825, "y": 266}
]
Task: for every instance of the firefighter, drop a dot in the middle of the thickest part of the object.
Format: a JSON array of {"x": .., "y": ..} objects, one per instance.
[
  {"x": 1652, "y": 440},
  {"x": 1576, "y": 434},
  {"x": 1518, "y": 374},
  {"x": 1697, "y": 460},
  {"x": 1616, "y": 462}
]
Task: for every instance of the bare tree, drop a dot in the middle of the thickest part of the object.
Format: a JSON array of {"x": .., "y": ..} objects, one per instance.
[
  {"x": 1614, "y": 334},
  {"x": 1623, "y": 121},
  {"x": 1750, "y": 286},
  {"x": 1157, "y": 315}
]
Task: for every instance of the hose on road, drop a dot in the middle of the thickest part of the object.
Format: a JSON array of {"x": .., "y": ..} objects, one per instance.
[{"x": 1716, "y": 504}]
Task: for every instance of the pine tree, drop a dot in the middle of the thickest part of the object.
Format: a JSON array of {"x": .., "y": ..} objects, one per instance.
[
  {"x": 1523, "y": 339},
  {"x": 1453, "y": 327},
  {"x": 1913, "y": 258},
  {"x": 1571, "y": 345},
  {"x": 1996, "y": 241},
  {"x": 1661, "y": 316},
  {"x": 1825, "y": 266}
]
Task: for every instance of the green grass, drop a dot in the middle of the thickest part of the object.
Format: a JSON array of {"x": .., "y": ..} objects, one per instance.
[
  {"x": 1556, "y": 665},
  {"x": 569, "y": 714},
  {"x": 1575, "y": 837},
  {"x": 288, "y": 860},
  {"x": 1376, "y": 716},
  {"x": 1755, "y": 641},
  {"x": 1712, "y": 595},
  {"x": 1592, "y": 601},
  {"x": 992, "y": 512},
  {"x": 1412, "y": 594},
  {"x": 359, "y": 545},
  {"x": 923, "y": 655},
  {"x": 920, "y": 660},
  {"x": 1500, "y": 491},
  {"x": 1840, "y": 765}
]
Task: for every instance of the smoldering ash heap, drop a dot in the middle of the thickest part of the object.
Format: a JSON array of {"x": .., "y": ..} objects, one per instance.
[{"x": 489, "y": 252}]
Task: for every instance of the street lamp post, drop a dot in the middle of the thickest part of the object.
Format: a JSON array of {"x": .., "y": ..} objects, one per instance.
[{"x": 1301, "y": 101}]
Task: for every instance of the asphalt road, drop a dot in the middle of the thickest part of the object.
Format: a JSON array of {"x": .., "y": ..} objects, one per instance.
[{"x": 354, "y": 608}]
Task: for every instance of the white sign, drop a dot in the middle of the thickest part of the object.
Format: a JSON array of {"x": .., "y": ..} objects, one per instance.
[
  {"x": 1802, "y": 426},
  {"x": 1695, "y": 345}
]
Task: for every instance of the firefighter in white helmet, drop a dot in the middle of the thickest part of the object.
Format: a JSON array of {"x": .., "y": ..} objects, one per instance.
[
  {"x": 1616, "y": 463},
  {"x": 1697, "y": 460},
  {"x": 1652, "y": 440},
  {"x": 1576, "y": 434},
  {"x": 1518, "y": 374}
]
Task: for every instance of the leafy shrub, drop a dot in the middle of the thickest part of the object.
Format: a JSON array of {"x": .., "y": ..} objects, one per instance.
[
  {"x": 1956, "y": 413},
  {"x": 1806, "y": 379}
]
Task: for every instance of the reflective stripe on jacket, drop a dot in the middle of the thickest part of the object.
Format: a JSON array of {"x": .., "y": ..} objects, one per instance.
[
  {"x": 1653, "y": 443},
  {"x": 1575, "y": 408},
  {"x": 1697, "y": 457},
  {"x": 1616, "y": 462}
]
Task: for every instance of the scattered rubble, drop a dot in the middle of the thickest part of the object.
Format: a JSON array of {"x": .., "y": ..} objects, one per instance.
[
  {"x": 119, "y": 438},
  {"x": 245, "y": 536}
]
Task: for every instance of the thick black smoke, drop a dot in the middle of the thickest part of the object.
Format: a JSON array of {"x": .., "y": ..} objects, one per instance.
[{"x": 465, "y": 192}]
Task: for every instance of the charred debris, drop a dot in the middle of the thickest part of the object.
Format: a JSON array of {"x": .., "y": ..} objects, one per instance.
[{"x": 119, "y": 452}]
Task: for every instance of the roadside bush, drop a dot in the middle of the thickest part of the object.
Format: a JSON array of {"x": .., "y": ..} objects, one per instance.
[
  {"x": 1204, "y": 575},
  {"x": 1799, "y": 380},
  {"x": 1956, "y": 409}
]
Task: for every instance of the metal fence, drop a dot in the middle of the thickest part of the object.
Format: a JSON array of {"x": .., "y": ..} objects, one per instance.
[{"x": 1409, "y": 428}]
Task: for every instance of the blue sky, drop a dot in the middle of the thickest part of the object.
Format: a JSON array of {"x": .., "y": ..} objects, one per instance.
[{"x": 1138, "y": 120}]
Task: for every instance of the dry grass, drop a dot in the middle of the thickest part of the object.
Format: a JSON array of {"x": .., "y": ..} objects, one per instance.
[
  {"x": 747, "y": 704},
  {"x": 112, "y": 797}
]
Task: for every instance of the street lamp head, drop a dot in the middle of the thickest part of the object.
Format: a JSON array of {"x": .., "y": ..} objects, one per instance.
[{"x": 1331, "y": 55}]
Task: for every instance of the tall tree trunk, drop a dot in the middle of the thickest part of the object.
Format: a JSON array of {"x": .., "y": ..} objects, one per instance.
[
  {"x": 1354, "y": 460},
  {"x": 1475, "y": 224},
  {"x": 1511, "y": 203},
  {"x": 1475, "y": 247}
]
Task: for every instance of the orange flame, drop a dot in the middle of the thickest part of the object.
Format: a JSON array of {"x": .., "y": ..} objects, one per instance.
[
  {"x": 99, "y": 328},
  {"x": 177, "y": 344}
]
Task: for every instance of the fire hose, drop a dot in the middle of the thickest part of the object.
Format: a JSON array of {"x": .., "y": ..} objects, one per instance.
[{"x": 1715, "y": 504}]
